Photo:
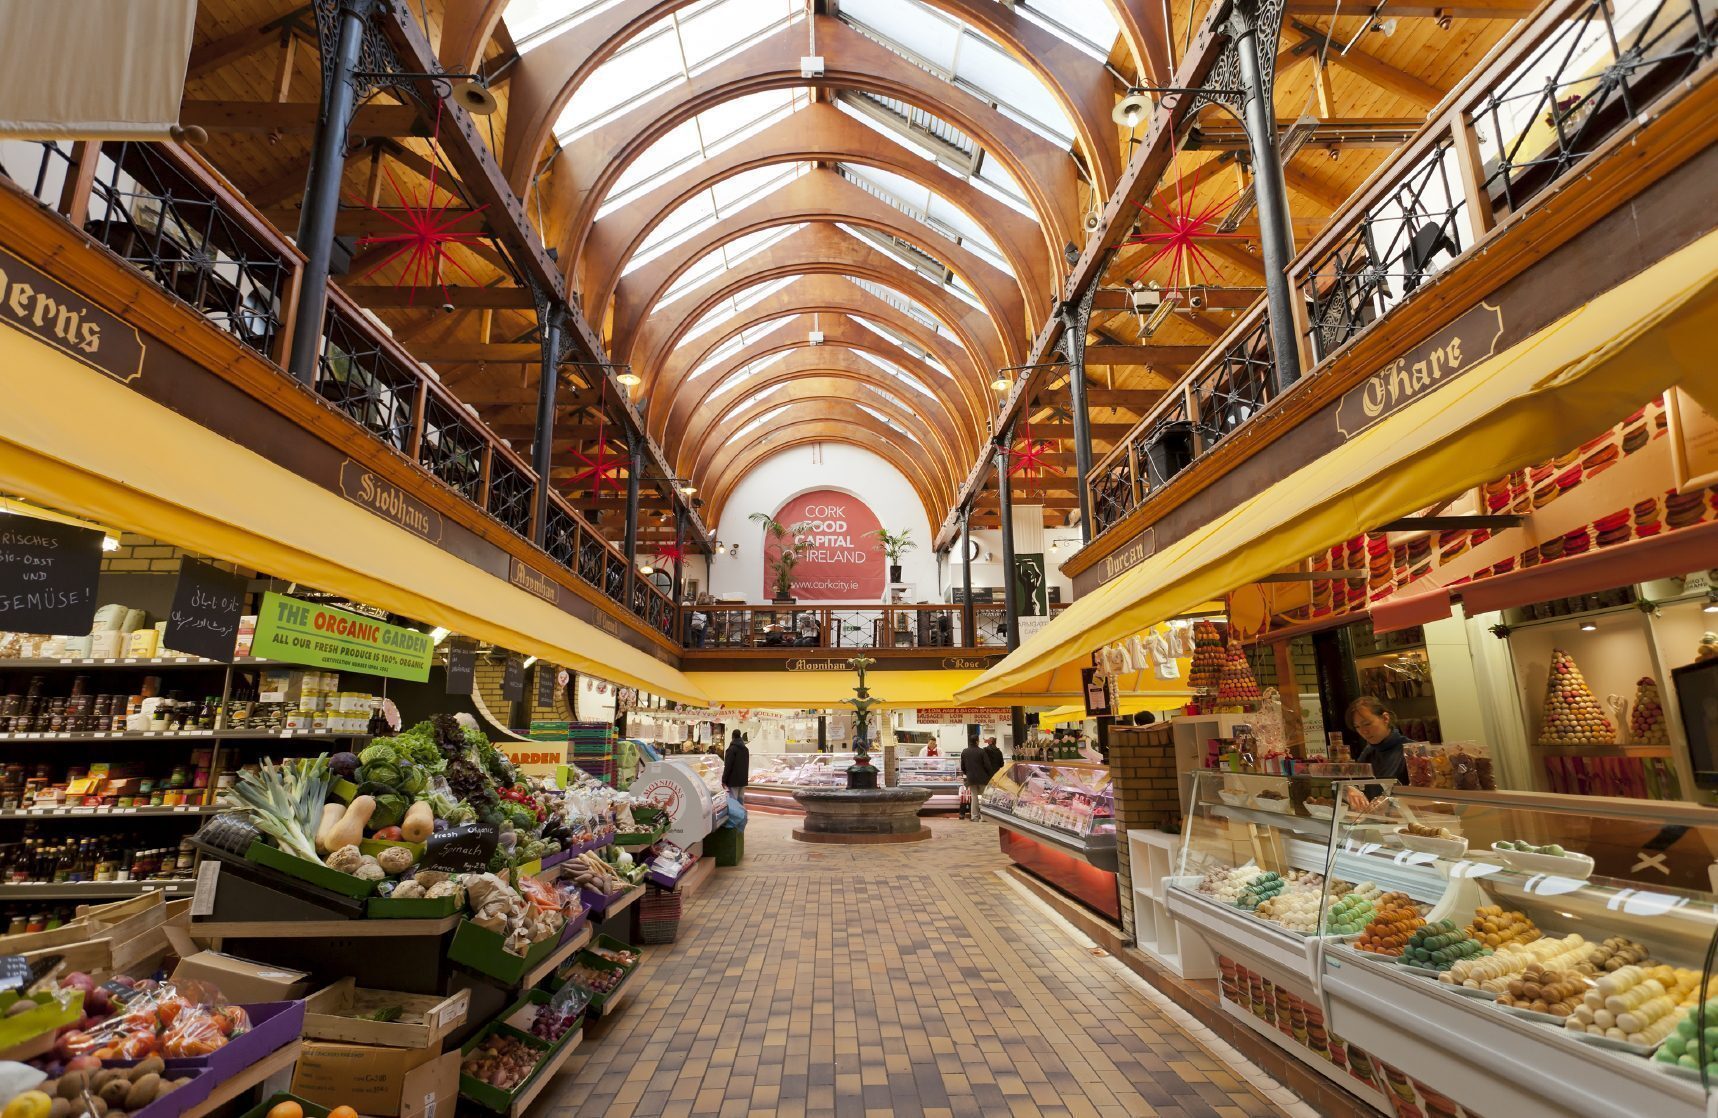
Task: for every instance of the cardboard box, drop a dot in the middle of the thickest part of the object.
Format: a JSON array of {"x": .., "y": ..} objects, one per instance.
[
  {"x": 330, "y": 1014},
  {"x": 386, "y": 1082},
  {"x": 240, "y": 980}
]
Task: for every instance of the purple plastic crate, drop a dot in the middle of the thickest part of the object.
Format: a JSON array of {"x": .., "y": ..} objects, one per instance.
[
  {"x": 576, "y": 924},
  {"x": 202, "y": 1085},
  {"x": 599, "y": 903},
  {"x": 273, "y": 1025}
]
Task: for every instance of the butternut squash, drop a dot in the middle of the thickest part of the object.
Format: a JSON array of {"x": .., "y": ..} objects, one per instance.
[
  {"x": 419, "y": 823},
  {"x": 349, "y": 829},
  {"x": 331, "y": 814}
]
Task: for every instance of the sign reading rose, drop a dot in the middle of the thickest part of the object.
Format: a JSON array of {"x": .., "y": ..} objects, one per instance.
[{"x": 840, "y": 559}]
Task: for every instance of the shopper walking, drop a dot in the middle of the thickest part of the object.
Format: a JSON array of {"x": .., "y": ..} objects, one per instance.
[
  {"x": 737, "y": 767},
  {"x": 975, "y": 773}
]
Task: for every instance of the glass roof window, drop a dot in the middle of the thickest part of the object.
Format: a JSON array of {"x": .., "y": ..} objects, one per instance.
[
  {"x": 937, "y": 141},
  {"x": 887, "y": 422},
  {"x": 534, "y": 22},
  {"x": 923, "y": 357},
  {"x": 710, "y": 132},
  {"x": 953, "y": 49},
  {"x": 902, "y": 303},
  {"x": 756, "y": 423},
  {"x": 1086, "y": 24},
  {"x": 725, "y": 258},
  {"x": 706, "y": 207},
  {"x": 927, "y": 206},
  {"x": 894, "y": 370},
  {"x": 731, "y": 306},
  {"x": 761, "y": 394},
  {"x": 747, "y": 371},
  {"x": 734, "y": 345}
]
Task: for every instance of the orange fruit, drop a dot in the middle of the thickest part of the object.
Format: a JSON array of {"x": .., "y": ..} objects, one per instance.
[
  {"x": 286, "y": 1108},
  {"x": 342, "y": 1112}
]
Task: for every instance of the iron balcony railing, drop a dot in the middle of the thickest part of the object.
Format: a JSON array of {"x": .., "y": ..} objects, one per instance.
[
  {"x": 1550, "y": 95},
  {"x": 722, "y": 626},
  {"x": 168, "y": 214}
]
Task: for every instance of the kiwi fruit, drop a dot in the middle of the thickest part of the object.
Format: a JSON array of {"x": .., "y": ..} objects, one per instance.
[
  {"x": 114, "y": 1091},
  {"x": 153, "y": 1065},
  {"x": 60, "y": 1108},
  {"x": 97, "y": 1106},
  {"x": 102, "y": 1075},
  {"x": 142, "y": 1091},
  {"x": 72, "y": 1084}
]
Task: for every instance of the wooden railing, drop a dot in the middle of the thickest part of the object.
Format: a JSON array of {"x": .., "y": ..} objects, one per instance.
[
  {"x": 173, "y": 218},
  {"x": 721, "y": 626},
  {"x": 1560, "y": 87}
]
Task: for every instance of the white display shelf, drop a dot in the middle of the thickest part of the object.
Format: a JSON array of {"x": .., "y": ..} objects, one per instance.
[
  {"x": 1286, "y": 958},
  {"x": 1488, "y": 1060},
  {"x": 1152, "y": 858}
]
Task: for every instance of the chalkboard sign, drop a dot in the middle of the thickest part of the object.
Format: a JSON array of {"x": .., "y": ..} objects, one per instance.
[
  {"x": 207, "y": 605},
  {"x": 48, "y": 573},
  {"x": 513, "y": 680},
  {"x": 546, "y": 684},
  {"x": 461, "y": 662},
  {"x": 463, "y": 849}
]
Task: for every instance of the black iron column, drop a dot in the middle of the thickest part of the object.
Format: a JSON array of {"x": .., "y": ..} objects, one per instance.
[
  {"x": 679, "y": 554},
  {"x": 1076, "y": 319},
  {"x": 322, "y": 192},
  {"x": 634, "y": 471},
  {"x": 1005, "y": 499},
  {"x": 1270, "y": 191},
  {"x": 543, "y": 443},
  {"x": 968, "y": 615}
]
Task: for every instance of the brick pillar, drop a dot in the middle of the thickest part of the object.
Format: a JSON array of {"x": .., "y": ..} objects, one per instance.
[{"x": 1147, "y": 795}]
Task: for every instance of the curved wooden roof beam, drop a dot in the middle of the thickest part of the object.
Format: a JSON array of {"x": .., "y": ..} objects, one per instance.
[
  {"x": 820, "y": 368},
  {"x": 587, "y": 169},
  {"x": 817, "y": 133},
  {"x": 813, "y": 250},
  {"x": 832, "y": 397},
  {"x": 547, "y": 77},
  {"x": 839, "y": 330},
  {"x": 466, "y": 28},
  {"x": 823, "y": 295},
  {"x": 818, "y": 196},
  {"x": 810, "y": 425}
]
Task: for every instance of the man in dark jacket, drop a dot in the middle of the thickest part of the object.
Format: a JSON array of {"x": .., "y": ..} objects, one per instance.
[
  {"x": 737, "y": 767},
  {"x": 975, "y": 773},
  {"x": 993, "y": 754}
]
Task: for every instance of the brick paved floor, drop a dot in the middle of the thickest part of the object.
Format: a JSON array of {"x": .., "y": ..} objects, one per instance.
[{"x": 825, "y": 982}]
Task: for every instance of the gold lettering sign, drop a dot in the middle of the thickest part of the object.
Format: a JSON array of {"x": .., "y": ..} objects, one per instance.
[
  {"x": 533, "y": 581},
  {"x": 604, "y": 622},
  {"x": 362, "y": 487},
  {"x": 1143, "y": 547},
  {"x": 818, "y": 666},
  {"x": 964, "y": 663},
  {"x": 1466, "y": 342},
  {"x": 44, "y": 308}
]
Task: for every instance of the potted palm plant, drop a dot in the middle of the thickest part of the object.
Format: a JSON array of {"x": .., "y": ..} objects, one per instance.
[
  {"x": 781, "y": 564},
  {"x": 895, "y": 545}
]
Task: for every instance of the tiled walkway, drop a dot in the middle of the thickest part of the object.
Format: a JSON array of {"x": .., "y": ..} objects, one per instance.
[{"x": 874, "y": 981}]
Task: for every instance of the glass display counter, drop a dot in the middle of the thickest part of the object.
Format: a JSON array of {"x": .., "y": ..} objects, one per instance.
[
  {"x": 1531, "y": 954},
  {"x": 941, "y": 775},
  {"x": 1057, "y": 819},
  {"x": 776, "y": 776}
]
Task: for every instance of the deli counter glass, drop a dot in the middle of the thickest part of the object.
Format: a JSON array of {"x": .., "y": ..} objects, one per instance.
[{"x": 1057, "y": 820}]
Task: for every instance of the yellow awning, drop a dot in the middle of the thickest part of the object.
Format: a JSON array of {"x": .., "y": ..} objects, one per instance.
[
  {"x": 1130, "y": 704},
  {"x": 1558, "y": 388},
  {"x": 76, "y": 440},
  {"x": 806, "y": 690}
]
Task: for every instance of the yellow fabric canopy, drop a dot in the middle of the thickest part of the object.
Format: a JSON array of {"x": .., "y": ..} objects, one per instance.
[
  {"x": 805, "y": 690},
  {"x": 1548, "y": 393},
  {"x": 76, "y": 440},
  {"x": 1130, "y": 704}
]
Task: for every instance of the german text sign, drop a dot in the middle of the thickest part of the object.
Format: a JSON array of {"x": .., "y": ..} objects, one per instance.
[
  {"x": 301, "y": 632},
  {"x": 513, "y": 679},
  {"x": 48, "y": 573},
  {"x": 207, "y": 605}
]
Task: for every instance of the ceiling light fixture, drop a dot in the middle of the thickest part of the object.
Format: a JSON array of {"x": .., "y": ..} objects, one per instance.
[
  {"x": 1000, "y": 383},
  {"x": 646, "y": 569},
  {"x": 1589, "y": 626},
  {"x": 629, "y": 378},
  {"x": 1132, "y": 109},
  {"x": 108, "y": 543},
  {"x": 529, "y": 660},
  {"x": 721, "y": 548}
]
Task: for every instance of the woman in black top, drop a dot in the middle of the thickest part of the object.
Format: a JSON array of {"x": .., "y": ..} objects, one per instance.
[{"x": 1373, "y": 721}]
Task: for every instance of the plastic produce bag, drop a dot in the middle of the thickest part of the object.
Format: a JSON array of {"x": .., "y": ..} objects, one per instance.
[
  {"x": 736, "y": 814},
  {"x": 162, "y": 1019}
]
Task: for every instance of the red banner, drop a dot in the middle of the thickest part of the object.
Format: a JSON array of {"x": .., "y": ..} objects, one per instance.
[{"x": 840, "y": 558}]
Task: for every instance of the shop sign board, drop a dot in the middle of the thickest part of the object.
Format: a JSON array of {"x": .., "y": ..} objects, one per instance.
[
  {"x": 52, "y": 313},
  {"x": 461, "y": 668},
  {"x": 207, "y": 605},
  {"x": 48, "y": 574},
  {"x": 533, "y": 581},
  {"x": 513, "y": 679},
  {"x": 961, "y": 716},
  {"x": 363, "y": 488},
  {"x": 466, "y": 848},
  {"x": 319, "y": 636},
  {"x": 840, "y": 559},
  {"x": 1414, "y": 375}
]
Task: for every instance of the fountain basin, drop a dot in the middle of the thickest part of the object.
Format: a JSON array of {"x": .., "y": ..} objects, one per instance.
[{"x": 862, "y": 815}]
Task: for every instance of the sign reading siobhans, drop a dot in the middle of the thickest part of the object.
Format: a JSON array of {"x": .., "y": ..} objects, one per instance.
[
  {"x": 840, "y": 558},
  {"x": 301, "y": 632}
]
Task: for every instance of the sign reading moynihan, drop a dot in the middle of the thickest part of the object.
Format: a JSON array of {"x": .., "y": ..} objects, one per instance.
[
  {"x": 385, "y": 499},
  {"x": 51, "y": 312},
  {"x": 1414, "y": 375},
  {"x": 533, "y": 581}
]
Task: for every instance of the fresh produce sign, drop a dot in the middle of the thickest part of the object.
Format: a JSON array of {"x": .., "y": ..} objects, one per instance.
[
  {"x": 319, "y": 636},
  {"x": 464, "y": 849}
]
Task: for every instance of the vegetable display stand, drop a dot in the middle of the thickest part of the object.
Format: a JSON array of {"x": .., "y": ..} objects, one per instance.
[
  {"x": 412, "y": 908},
  {"x": 606, "y": 906},
  {"x": 557, "y": 958},
  {"x": 604, "y": 1003},
  {"x": 342, "y": 1012},
  {"x": 405, "y": 955},
  {"x": 514, "y": 1102},
  {"x": 250, "y": 890},
  {"x": 245, "y": 1079},
  {"x": 479, "y": 949},
  {"x": 317, "y": 874},
  {"x": 659, "y": 916}
]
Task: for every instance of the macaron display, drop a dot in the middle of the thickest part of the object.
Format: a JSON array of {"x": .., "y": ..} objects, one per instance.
[
  {"x": 1572, "y": 716},
  {"x": 1542, "y": 990},
  {"x": 1684, "y": 509},
  {"x": 1646, "y": 723},
  {"x": 1438, "y": 945},
  {"x": 1636, "y": 1005},
  {"x": 1494, "y": 972},
  {"x": 1208, "y": 657},
  {"x": 1396, "y": 920},
  {"x": 1494, "y": 928},
  {"x": 1353, "y": 911},
  {"x": 1694, "y": 1038},
  {"x": 1261, "y": 888}
]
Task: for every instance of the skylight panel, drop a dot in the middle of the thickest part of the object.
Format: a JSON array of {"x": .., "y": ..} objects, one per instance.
[
  {"x": 894, "y": 370},
  {"x": 725, "y": 258},
  {"x": 747, "y": 371},
  {"x": 727, "y": 308},
  {"x": 534, "y": 22},
  {"x": 669, "y": 154},
  {"x": 748, "y": 186},
  {"x": 758, "y": 422},
  {"x": 718, "y": 29},
  {"x": 676, "y": 226},
  {"x": 760, "y": 394},
  {"x": 1087, "y": 24},
  {"x": 884, "y": 419},
  {"x": 727, "y": 123},
  {"x": 734, "y": 345},
  {"x": 986, "y": 66},
  {"x": 648, "y": 63},
  {"x": 924, "y": 32},
  {"x": 904, "y": 345}
]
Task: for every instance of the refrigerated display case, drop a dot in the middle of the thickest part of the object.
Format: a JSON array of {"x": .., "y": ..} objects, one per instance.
[
  {"x": 939, "y": 774},
  {"x": 1060, "y": 825},
  {"x": 689, "y": 788},
  {"x": 776, "y": 776}
]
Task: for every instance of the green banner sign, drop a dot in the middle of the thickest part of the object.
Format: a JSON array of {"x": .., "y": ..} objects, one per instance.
[{"x": 316, "y": 636}]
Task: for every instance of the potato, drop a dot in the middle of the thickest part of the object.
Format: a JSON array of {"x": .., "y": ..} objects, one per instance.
[{"x": 142, "y": 1091}]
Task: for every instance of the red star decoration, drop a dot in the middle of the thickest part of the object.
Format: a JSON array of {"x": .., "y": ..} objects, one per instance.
[
  {"x": 426, "y": 233},
  {"x": 669, "y": 553},
  {"x": 602, "y": 472},
  {"x": 1027, "y": 459},
  {"x": 1184, "y": 228}
]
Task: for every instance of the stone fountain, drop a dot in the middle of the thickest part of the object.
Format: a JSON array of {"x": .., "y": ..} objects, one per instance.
[{"x": 862, "y": 812}]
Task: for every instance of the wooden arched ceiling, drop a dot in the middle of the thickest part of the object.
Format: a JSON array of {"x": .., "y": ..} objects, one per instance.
[{"x": 808, "y": 428}]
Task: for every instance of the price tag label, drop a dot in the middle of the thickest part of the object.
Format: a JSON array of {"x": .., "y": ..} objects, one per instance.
[
  {"x": 83, "y": 811},
  {"x": 203, "y": 897}
]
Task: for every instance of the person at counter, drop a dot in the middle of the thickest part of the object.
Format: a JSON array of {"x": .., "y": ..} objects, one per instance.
[
  {"x": 975, "y": 773},
  {"x": 737, "y": 766},
  {"x": 1376, "y": 725},
  {"x": 993, "y": 754}
]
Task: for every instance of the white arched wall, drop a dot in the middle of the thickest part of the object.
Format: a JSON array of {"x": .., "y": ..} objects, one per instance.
[{"x": 820, "y": 466}]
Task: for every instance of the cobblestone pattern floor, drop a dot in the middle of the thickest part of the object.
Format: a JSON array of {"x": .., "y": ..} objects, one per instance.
[{"x": 829, "y": 982}]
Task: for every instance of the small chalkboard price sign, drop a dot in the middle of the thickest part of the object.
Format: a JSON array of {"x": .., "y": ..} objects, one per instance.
[
  {"x": 461, "y": 664},
  {"x": 463, "y": 849},
  {"x": 546, "y": 683},
  {"x": 48, "y": 574},
  {"x": 207, "y": 605},
  {"x": 513, "y": 679}
]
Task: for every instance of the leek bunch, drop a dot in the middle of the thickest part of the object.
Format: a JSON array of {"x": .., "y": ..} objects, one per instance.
[{"x": 285, "y": 802}]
